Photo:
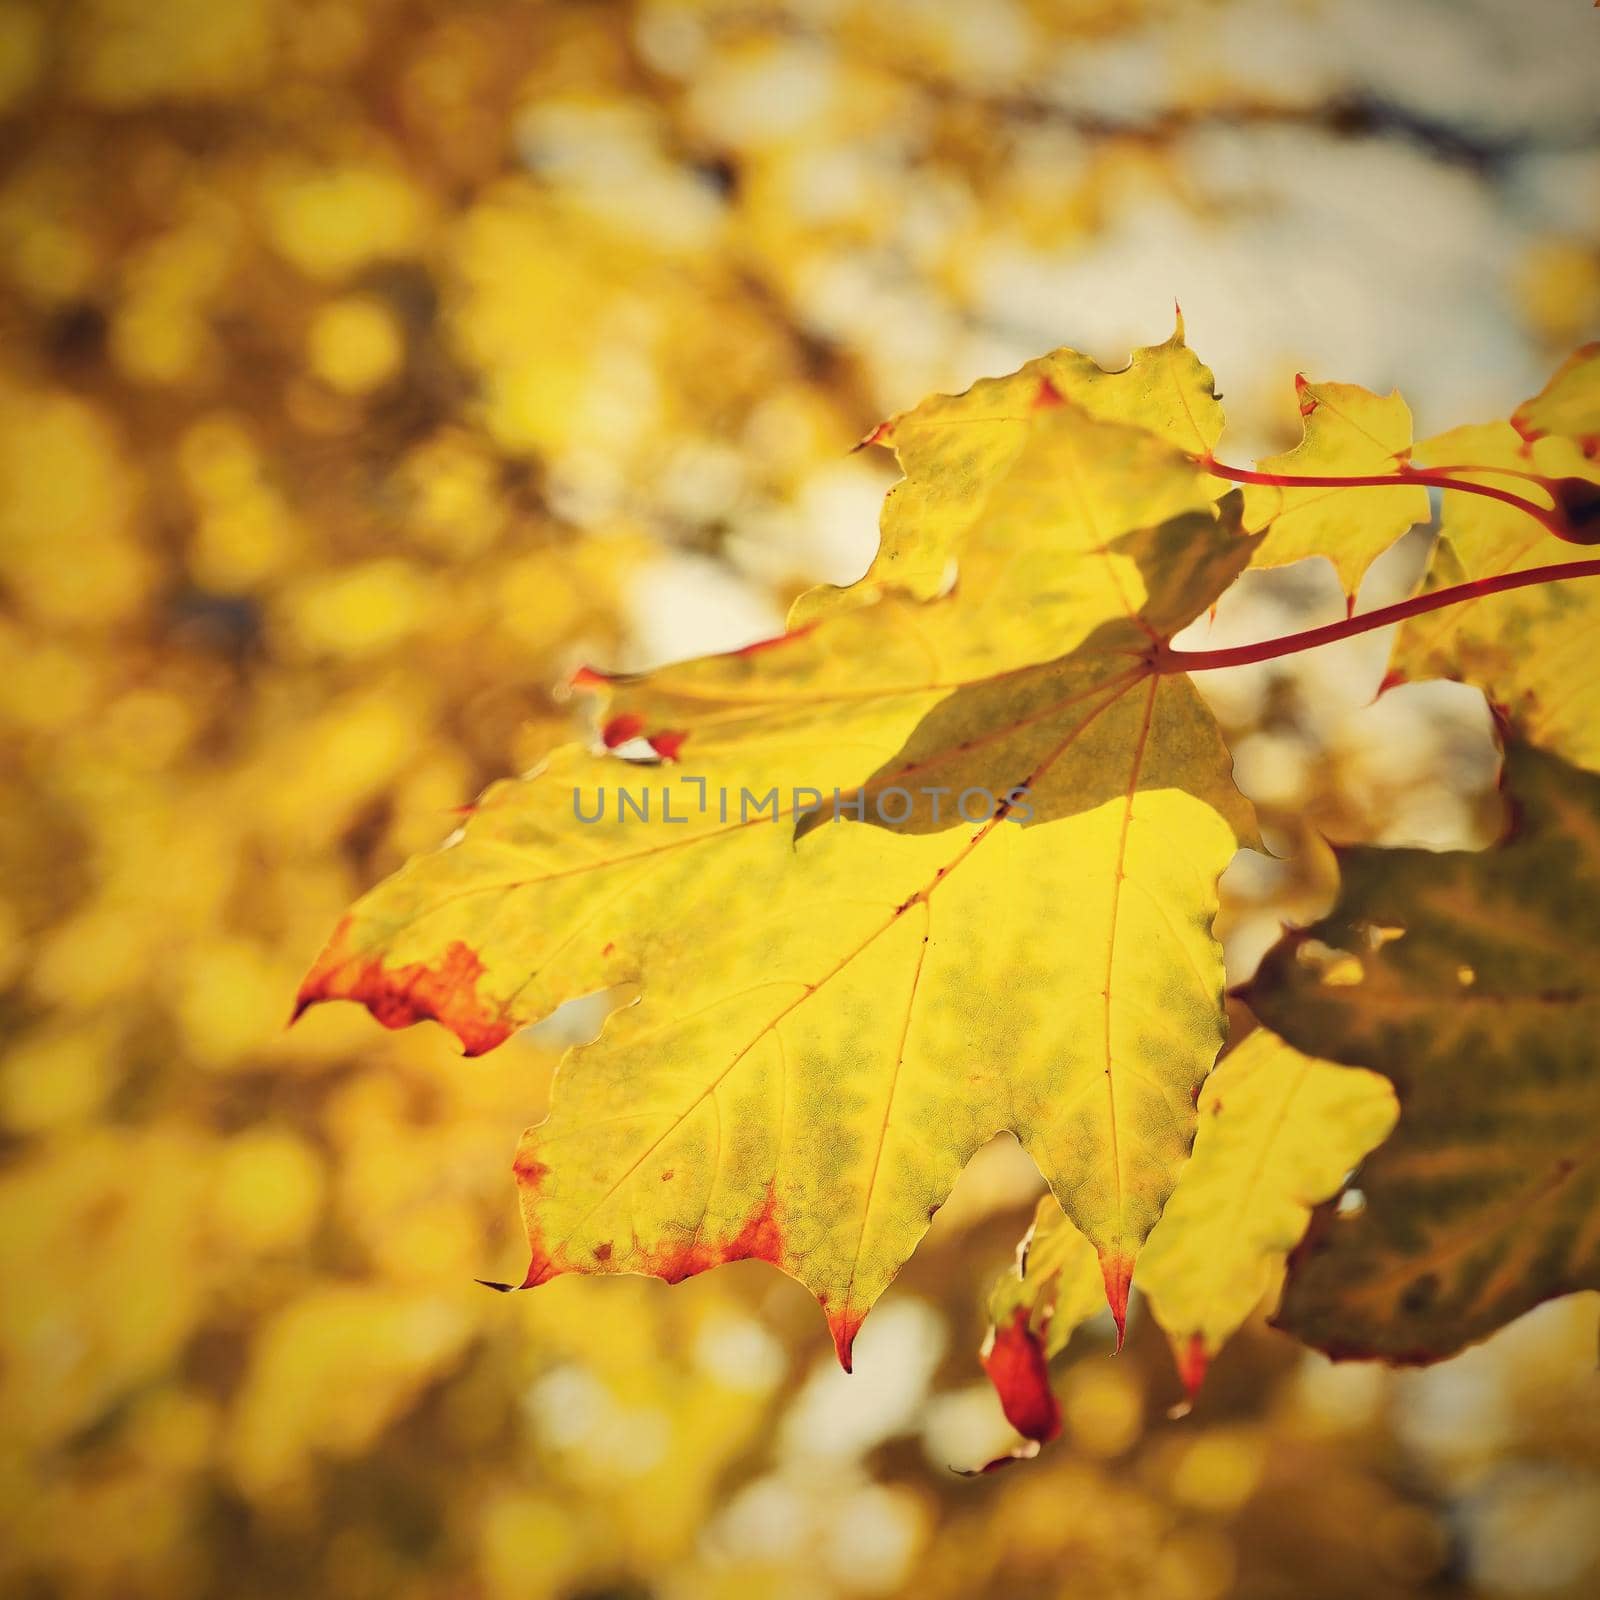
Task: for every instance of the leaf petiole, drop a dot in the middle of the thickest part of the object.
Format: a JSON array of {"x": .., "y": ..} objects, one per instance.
[
  {"x": 1165, "y": 659},
  {"x": 1404, "y": 475}
]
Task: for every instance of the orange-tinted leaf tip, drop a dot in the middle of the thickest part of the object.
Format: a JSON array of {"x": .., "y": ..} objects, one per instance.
[
  {"x": 878, "y": 435},
  {"x": 1526, "y": 430},
  {"x": 1193, "y": 1360},
  {"x": 587, "y": 677},
  {"x": 1016, "y": 1365},
  {"x": 1117, "y": 1271},
  {"x": 397, "y": 997},
  {"x": 844, "y": 1326},
  {"x": 1047, "y": 397},
  {"x": 620, "y": 729}
]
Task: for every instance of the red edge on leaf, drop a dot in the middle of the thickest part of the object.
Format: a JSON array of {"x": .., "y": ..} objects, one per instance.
[
  {"x": 443, "y": 992},
  {"x": 1193, "y": 1360},
  {"x": 878, "y": 435},
  {"x": 760, "y": 1238},
  {"x": 844, "y": 1326},
  {"x": 1020, "y": 1373},
  {"x": 1047, "y": 397},
  {"x": 587, "y": 677},
  {"x": 1117, "y": 1271},
  {"x": 668, "y": 742},
  {"x": 620, "y": 729},
  {"x": 778, "y": 639},
  {"x": 1527, "y": 431}
]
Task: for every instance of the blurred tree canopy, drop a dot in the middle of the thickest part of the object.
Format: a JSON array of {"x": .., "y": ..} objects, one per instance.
[{"x": 365, "y": 366}]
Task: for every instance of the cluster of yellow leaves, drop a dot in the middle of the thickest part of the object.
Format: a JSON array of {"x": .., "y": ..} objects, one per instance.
[
  {"x": 356, "y": 358},
  {"x": 1052, "y": 532},
  {"x": 762, "y": 1098},
  {"x": 1464, "y": 977},
  {"x": 1278, "y": 1132},
  {"x": 1424, "y": 970}
]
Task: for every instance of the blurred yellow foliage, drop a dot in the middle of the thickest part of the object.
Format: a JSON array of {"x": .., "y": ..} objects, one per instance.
[{"x": 365, "y": 367}]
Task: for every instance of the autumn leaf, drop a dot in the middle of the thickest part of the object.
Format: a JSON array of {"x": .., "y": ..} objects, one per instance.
[
  {"x": 834, "y": 1017},
  {"x": 359, "y": 378},
  {"x": 1278, "y": 1132},
  {"x": 1529, "y": 650},
  {"x": 939, "y": 861},
  {"x": 1050, "y": 1291},
  {"x": 959, "y": 455},
  {"x": 1347, "y": 432},
  {"x": 1469, "y": 979},
  {"x": 1568, "y": 407}
]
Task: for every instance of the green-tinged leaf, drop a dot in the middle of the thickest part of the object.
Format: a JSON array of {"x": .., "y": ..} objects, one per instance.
[
  {"x": 1472, "y": 980},
  {"x": 1530, "y": 650},
  {"x": 834, "y": 1017},
  {"x": 1348, "y": 432},
  {"x": 1279, "y": 1132}
]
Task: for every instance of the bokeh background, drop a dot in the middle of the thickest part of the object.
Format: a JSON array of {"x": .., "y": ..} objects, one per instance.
[{"x": 365, "y": 366}]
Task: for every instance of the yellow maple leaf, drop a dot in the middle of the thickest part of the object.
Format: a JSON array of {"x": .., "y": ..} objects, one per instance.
[
  {"x": 1569, "y": 405},
  {"x": 1349, "y": 432},
  {"x": 956, "y": 450},
  {"x": 1527, "y": 649},
  {"x": 1278, "y": 1132},
  {"x": 834, "y": 1017}
]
